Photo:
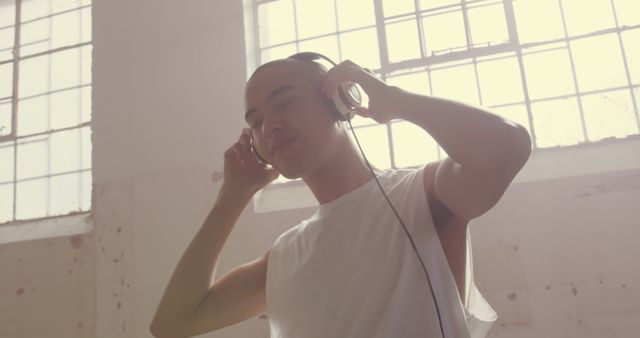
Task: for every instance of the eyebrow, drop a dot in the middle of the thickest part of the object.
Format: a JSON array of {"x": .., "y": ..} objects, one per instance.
[{"x": 269, "y": 98}]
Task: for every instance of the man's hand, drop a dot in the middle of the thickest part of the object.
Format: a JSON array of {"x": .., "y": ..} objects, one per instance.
[
  {"x": 242, "y": 171},
  {"x": 381, "y": 106}
]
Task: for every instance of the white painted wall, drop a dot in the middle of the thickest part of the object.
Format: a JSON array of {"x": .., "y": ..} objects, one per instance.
[{"x": 557, "y": 257}]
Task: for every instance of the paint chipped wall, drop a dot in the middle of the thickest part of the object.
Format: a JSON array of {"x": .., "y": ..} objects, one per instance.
[
  {"x": 557, "y": 259},
  {"x": 554, "y": 258},
  {"x": 48, "y": 286}
]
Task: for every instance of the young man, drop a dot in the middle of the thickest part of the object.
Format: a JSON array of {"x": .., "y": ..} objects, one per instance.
[{"x": 349, "y": 270}]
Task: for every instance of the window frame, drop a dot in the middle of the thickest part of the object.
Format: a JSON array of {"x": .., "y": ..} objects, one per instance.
[
  {"x": 470, "y": 52},
  {"x": 13, "y": 140}
]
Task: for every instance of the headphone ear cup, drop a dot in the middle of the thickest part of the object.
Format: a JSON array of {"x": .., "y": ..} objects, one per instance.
[
  {"x": 335, "y": 111},
  {"x": 345, "y": 100},
  {"x": 339, "y": 114}
]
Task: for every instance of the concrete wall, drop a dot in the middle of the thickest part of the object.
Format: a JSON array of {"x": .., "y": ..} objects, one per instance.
[{"x": 556, "y": 257}]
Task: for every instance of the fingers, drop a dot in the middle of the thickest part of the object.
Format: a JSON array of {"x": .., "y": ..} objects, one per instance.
[
  {"x": 242, "y": 149},
  {"x": 245, "y": 137},
  {"x": 346, "y": 71}
]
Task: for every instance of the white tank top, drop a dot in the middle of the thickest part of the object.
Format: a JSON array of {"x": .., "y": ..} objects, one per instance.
[{"x": 349, "y": 271}]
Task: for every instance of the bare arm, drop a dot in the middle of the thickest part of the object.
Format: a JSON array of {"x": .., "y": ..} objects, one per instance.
[
  {"x": 191, "y": 280},
  {"x": 485, "y": 150},
  {"x": 190, "y": 304}
]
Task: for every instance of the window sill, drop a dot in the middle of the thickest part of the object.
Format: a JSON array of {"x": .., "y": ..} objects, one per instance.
[
  {"x": 49, "y": 227},
  {"x": 608, "y": 155}
]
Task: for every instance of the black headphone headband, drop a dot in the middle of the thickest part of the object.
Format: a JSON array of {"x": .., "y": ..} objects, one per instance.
[{"x": 309, "y": 56}]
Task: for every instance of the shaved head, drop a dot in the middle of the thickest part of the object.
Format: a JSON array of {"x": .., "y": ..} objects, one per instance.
[{"x": 309, "y": 70}]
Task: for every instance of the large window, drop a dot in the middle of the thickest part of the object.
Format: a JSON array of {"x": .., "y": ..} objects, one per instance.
[
  {"x": 45, "y": 108},
  {"x": 567, "y": 70}
]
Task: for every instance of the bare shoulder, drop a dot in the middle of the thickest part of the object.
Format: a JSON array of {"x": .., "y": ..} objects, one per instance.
[
  {"x": 438, "y": 210},
  {"x": 450, "y": 229}
]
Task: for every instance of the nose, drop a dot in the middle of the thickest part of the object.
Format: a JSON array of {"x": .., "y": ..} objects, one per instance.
[{"x": 271, "y": 126}]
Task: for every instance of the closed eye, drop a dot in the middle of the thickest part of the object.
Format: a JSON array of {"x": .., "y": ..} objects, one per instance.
[
  {"x": 286, "y": 103},
  {"x": 259, "y": 122}
]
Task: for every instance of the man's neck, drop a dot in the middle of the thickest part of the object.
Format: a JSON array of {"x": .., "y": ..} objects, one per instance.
[{"x": 345, "y": 173}]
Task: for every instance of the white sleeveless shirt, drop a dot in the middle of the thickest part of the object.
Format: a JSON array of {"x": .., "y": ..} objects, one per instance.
[{"x": 349, "y": 271}]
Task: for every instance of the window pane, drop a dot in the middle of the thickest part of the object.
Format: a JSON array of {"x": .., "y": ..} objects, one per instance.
[
  {"x": 403, "y": 41},
  {"x": 87, "y": 183},
  {"x": 548, "y": 74},
  {"x": 375, "y": 144},
  {"x": 530, "y": 13},
  {"x": 357, "y": 121},
  {"x": 587, "y": 16},
  {"x": 276, "y": 22},
  {"x": 275, "y": 53},
  {"x": 8, "y": 13},
  {"x": 598, "y": 62},
  {"x": 431, "y": 4},
  {"x": 65, "y": 5},
  {"x": 328, "y": 46},
  {"x": 86, "y": 30},
  {"x": 6, "y": 80},
  {"x": 31, "y": 199},
  {"x": 65, "y": 29},
  {"x": 632, "y": 52},
  {"x": 32, "y": 157},
  {"x": 32, "y": 9},
  {"x": 609, "y": 114},
  {"x": 457, "y": 83},
  {"x": 500, "y": 81},
  {"x": 65, "y": 190},
  {"x": 557, "y": 123},
  {"x": 516, "y": 113},
  {"x": 415, "y": 82},
  {"x": 34, "y": 76},
  {"x": 397, "y": 7},
  {"x": 65, "y": 109},
  {"x": 412, "y": 145},
  {"x": 355, "y": 14},
  {"x": 85, "y": 135},
  {"x": 86, "y": 104},
  {"x": 86, "y": 65},
  {"x": 315, "y": 18},
  {"x": 488, "y": 24},
  {"x": 6, "y": 207},
  {"x": 65, "y": 151},
  {"x": 7, "y": 36},
  {"x": 35, "y": 36},
  {"x": 361, "y": 47},
  {"x": 33, "y": 115},
  {"x": 444, "y": 31},
  {"x": 65, "y": 69},
  {"x": 5, "y": 118},
  {"x": 627, "y": 12},
  {"x": 6, "y": 158}
]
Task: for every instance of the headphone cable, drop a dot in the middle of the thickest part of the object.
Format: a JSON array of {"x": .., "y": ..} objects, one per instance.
[{"x": 403, "y": 226}]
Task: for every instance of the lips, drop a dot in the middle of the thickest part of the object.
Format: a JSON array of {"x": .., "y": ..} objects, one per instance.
[{"x": 279, "y": 143}]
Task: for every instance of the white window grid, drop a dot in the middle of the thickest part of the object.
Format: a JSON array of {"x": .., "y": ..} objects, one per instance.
[
  {"x": 470, "y": 54},
  {"x": 15, "y": 139}
]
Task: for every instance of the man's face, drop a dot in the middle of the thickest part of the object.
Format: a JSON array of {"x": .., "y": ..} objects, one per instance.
[{"x": 289, "y": 117}]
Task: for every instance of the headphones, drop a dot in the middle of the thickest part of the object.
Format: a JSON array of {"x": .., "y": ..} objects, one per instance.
[{"x": 341, "y": 105}]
